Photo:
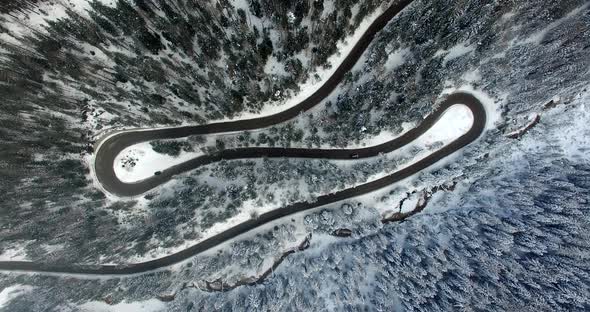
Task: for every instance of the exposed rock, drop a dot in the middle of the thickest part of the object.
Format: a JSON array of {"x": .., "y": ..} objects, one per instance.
[
  {"x": 425, "y": 197},
  {"x": 519, "y": 133},
  {"x": 219, "y": 285},
  {"x": 342, "y": 233},
  {"x": 166, "y": 297}
]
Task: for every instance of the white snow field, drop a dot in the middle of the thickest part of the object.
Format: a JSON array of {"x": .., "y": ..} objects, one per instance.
[
  {"x": 147, "y": 162},
  {"x": 151, "y": 305},
  {"x": 9, "y": 293}
]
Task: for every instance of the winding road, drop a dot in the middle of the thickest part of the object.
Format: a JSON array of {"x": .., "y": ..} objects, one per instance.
[
  {"x": 110, "y": 147},
  {"x": 114, "y": 144}
]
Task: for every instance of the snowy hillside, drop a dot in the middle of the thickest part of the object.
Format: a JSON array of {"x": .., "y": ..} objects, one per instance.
[{"x": 503, "y": 224}]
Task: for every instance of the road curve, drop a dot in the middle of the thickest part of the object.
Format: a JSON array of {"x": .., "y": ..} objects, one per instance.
[
  {"x": 110, "y": 147},
  {"x": 474, "y": 132},
  {"x": 113, "y": 145}
]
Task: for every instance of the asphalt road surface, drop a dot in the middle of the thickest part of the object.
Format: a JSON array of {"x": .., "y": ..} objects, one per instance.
[{"x": 113, "y": 145}]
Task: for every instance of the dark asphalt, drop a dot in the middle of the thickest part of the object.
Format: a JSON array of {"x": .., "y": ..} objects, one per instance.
[{"x": 112, "y": 146}]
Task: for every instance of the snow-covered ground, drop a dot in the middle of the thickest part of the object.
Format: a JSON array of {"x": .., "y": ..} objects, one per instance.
[
  {"x": 452, "y": 124},
  {"x": 397, "y": 58},
  {"x": 140, "y": 161},
  {"x": 9, "y": 293},
  {"x": 151, "y": 305},
  {"x": 16, "y": 253},
  {"x": 455, "y": 52},
  {"x": 574, "y": 140},
  {"x": 492, "y": 106},
  {"x": 455, "y": 121},
  {"x": 381, "y": 138}
]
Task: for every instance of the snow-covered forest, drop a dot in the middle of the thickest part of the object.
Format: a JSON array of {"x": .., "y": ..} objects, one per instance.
[
  {"x": 510, "y": 234},
  {"x": 72, "y": 70}
]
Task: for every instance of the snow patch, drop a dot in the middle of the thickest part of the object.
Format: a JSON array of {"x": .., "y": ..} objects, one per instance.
[
  {"x": 140, "y": 161},
  {"x": 151, "y": 305},
  {"x": 455, "y": 52},
  {"x": 492, "y": 106},
  {"x": 274, "y": 67},
  {"x": 16, "y": 253},
  {"x": 21, "y": 23},
  {"x": 397, "y": 58},
  {"x": 11, "y": 292},
  {"x": 454, "y": 122},
  {"x": 472, "y": 76},
  {"x": 328, "y": 8}
]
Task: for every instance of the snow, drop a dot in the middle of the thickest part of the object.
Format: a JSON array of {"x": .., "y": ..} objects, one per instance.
[
  {"x": 245, "y": 214},
  {"x": 492, "y": 106},
  {"x": 291, "y": 17},
  {"x": 9, "y": 39},
  {"x": 574, "y": 140},
  {"x": 300, "y": 232},
  {"x": 442, "y": 201},
  {"x": 454, "y": 122},
  {"x": 455, "y": 52},
  {"x": 147, "y": 162},
  {"x": 382, "y": 137},
  {"x": 396, "y": 58},
  {"x": 312, "y": 84},
  {"x": 507, "y": 16},
  {"x": 472, "y": 76},
  {"x": 411, "y": 203},
  {"x": 151, "y": 305},
  {"x": 538, "y": 36},
  {"x": 53, "y": 248},
  {"x": 12, "y": 292},
  {"x": 20, "y": 24},
  {"x": 39, "y": 20},
  {"x": 17, "y": 253},
  {"x": 328, "y": 8},
  {"x": 274, "y": 67}
]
